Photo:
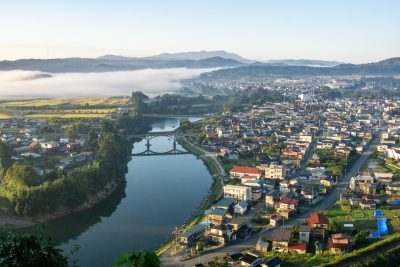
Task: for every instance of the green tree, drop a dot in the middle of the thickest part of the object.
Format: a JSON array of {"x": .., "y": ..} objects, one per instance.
[
  {"x": 29, "y": 251},
  {"x": 93, "y": 141},
  {"x": 142, "y": 259},
  {"x": 21, "y": 175},
  {"x": 5, "y": 156}
]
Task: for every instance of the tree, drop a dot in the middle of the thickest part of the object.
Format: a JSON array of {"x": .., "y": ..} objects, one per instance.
[
  {"x": 72, "y": 131},
  {"x": 21, "y": 175},
  {"x": 199, "y": 246},
  {"x": 360, "y": 239},
  {"x": 29, "y": 251},
  {"x": 5, "y": 156},
  {"x": 142, "y": 259},
  {"x": 93, "y": 141}
]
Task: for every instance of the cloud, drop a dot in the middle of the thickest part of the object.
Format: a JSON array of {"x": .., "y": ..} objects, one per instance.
[{"x": 24, "y": 84}]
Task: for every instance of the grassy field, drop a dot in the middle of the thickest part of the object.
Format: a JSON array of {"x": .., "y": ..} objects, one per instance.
[{"x": 104, "y": 101}]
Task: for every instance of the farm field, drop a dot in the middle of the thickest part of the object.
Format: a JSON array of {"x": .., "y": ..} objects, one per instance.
[
  {"x": 4, "y": 116},
  {"x": 66, "y": 115},
  {"x": 362, "y": 220},
  {"x": 105, "y": 101}
]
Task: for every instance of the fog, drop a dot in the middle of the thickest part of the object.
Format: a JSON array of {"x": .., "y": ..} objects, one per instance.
[{"x": 25, "y": 84}]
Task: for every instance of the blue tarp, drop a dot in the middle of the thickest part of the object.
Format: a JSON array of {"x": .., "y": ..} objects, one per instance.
[
  {"x": 382, "y": 226},
  {"x": 394, "y": 202},
  {"x": 375, "y": 235},
  {"x": 378, "y": 213}
]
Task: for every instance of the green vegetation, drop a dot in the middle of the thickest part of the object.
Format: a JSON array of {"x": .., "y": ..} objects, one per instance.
[
  {"x": 30, "y": 251},
  {"x": 141, "y": 259},
  {"x": 377, "y": 246},
  {"x": 332, "y": 162},
  {"x": 23, "y": 192}
]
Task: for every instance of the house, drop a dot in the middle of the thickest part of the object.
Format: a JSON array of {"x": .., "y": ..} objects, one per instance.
[
  {"x": 318, "y": 220},
  {"x": 363, "y": 183},
  {"x": 238, "y": 192},
  {"x": 274, "y": 171},
  {"x": 367, "y": 204},
  {"x": 50, "y": 145},
  {"x": 298, "y": 248},
  {"x": 384, "y": 177},
  {"x": 280, "y": 240},
  {"x": 241, "y": 208},
  {"x": 272, "y": 262},
  {"x": 225, "y": 203},
  {"x": 235, "y": 258},
  {"x": 215, "y": 216},
  {"x": 393, "y": 189},
  {"x": 275, "y": 220},
  {"x": 340, "y": 243},
  {"x": 262, "y": 245},
  {"x": 192, "y": 235},
  {"x": 287, "y": 206},
  {"x": 304, "y": 233},
  {"x": 271, "y": 198},
  {"x": 221, "y": 234},
  {"x": 238, "y": 171},
  {"x": 251, "y": 260}
]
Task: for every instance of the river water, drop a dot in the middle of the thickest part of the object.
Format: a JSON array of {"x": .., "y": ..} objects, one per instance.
[{"x": 160, "y": 193}]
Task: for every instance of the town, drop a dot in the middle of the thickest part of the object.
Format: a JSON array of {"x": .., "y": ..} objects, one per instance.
[{"x": 311, "y": 177}]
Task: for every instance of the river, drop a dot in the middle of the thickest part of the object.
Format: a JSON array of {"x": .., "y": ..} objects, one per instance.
[{"x": 160, "y": 193}]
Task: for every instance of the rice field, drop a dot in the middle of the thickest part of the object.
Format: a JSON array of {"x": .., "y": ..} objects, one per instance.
[
  {"x": 4, "y": 116},
  {"x": 106, "y": 101},
  {"x": 66, "y": 116}
]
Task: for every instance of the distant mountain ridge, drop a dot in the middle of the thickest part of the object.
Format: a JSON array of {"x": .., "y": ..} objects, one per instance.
[
  {"x": 238, "y": 66},
  {"x": 387, "y": 67},
  {"x": 305, "y": 62}
]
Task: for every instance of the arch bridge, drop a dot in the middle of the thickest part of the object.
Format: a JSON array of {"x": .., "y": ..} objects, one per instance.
[{"x": 170, "y": 134}]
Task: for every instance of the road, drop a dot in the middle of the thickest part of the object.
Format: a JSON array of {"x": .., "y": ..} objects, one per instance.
[{"x": 251, "y": 241}]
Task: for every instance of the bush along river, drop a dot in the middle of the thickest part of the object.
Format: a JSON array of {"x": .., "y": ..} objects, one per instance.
[{"x": 160, "y": 193}]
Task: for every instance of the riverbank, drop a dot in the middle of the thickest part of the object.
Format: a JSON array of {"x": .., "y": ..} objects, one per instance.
[
  {"x": 217, "y": 173},
  {"x": 20, "y": 222}
]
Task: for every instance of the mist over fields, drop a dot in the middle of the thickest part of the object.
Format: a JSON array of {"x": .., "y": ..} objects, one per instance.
[{"x": 26, "y": 84}]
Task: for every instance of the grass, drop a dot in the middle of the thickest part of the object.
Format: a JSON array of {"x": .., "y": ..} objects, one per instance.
[
  {"x": 343, "y": 213},
  {"x": 363, "y": 251},
  {"x": 303, "y": 260}
]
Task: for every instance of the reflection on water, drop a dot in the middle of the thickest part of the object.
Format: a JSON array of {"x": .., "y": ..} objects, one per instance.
[{"x": 161, "y": 192}]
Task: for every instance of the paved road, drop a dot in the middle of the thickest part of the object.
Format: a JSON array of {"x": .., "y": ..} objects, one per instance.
[{"x": 250, "y": 242}]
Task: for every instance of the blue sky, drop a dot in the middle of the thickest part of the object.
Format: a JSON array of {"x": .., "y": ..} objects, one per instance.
[{"x": 352, "y": 31}]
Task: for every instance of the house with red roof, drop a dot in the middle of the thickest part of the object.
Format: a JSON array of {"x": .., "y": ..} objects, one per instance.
[
  {"x": 297, "y": 248},
  {"x": 237, "y": 172},
  {"x": 340, "y": 243},
  {"x": 287, "y": 206},
  {"x": 318, "y": 220}
]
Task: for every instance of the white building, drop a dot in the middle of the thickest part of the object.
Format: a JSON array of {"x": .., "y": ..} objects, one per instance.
[{"x": 238, "y": 192}]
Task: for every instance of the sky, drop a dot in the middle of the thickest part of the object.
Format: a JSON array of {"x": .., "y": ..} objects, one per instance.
[{"x": 356, "y": 31}]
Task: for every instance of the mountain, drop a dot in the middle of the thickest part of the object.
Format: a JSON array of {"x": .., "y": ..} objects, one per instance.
[
  {"x": 199, "y": 56},
  {"x": 259, "y": 71},
  {"x": 305, "y": 62},
  {"x": 112, "y": 63}
]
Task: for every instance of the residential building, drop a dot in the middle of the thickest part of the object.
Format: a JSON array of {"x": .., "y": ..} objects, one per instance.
[
  {"x": 340, "y": 243},
  {"x": 237, "y": 172},
  {"x": 238, "y": 192}
]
